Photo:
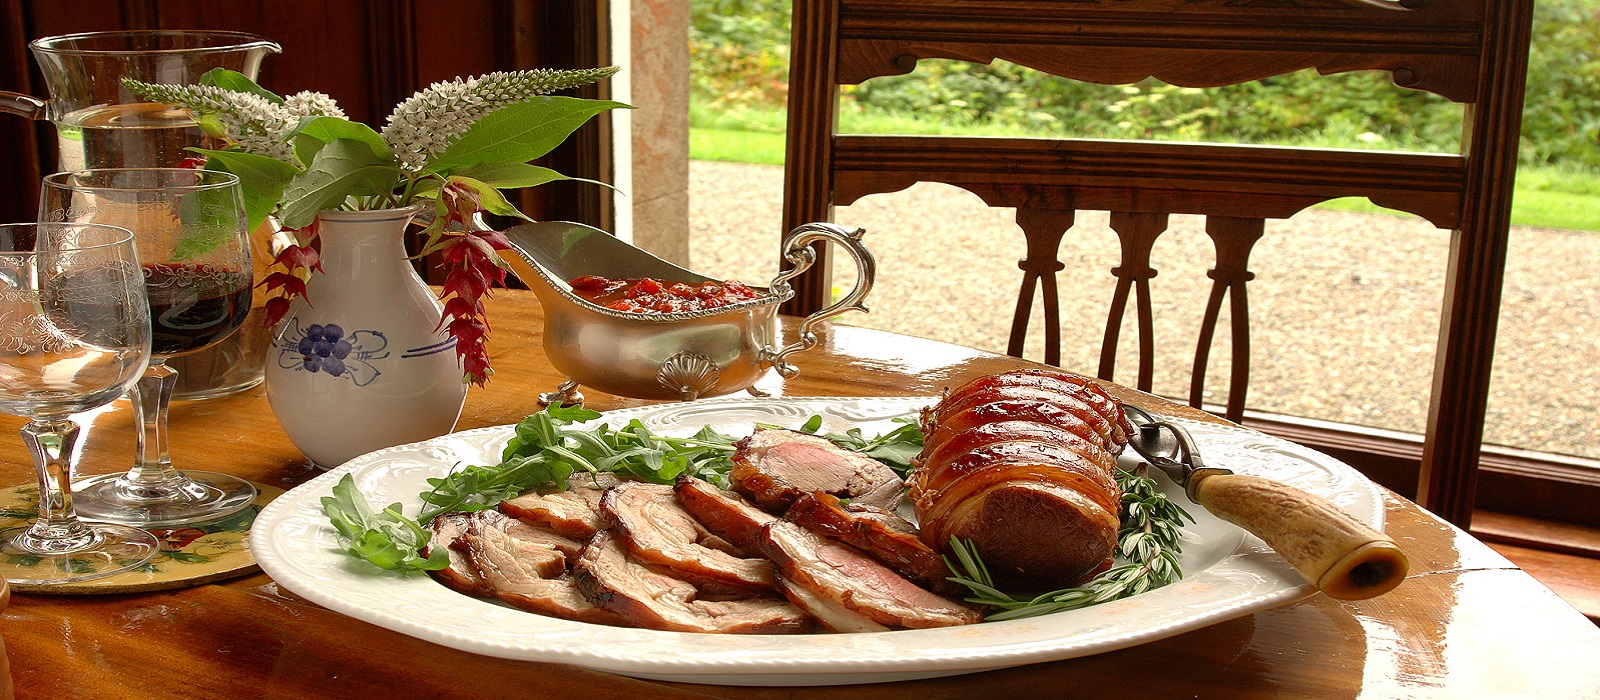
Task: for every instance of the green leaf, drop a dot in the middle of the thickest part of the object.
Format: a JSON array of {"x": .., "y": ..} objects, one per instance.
[
  {"x": 237, "y": 82},
  {"x": 208, "y": 219},
  {"x": 261, "y": 178},
  {"x": 387, "y": 538},
  {"x": 509, "y": 176},
  {"x": 426, "y": 189},
  {"x": 212, "y": 125},
  {"x": 343, "y": 168},
  {"x": 318, "y": 132},
  {"x": 520, "y": 132},
  {"x": 489, "y": 198}
]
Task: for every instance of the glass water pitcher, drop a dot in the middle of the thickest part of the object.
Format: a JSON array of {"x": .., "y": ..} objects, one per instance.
[{"x": 99, "y": 124}]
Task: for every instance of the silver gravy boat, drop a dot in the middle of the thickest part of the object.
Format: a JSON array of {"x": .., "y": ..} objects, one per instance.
[{"x": 682, "y": 355}]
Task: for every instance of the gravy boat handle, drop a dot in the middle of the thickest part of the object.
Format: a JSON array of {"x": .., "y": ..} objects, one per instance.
[{"x": 798, "y": 251}]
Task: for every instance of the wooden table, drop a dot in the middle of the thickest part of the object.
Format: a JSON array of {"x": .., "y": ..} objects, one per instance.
[{"x": 1466, "y": 623}]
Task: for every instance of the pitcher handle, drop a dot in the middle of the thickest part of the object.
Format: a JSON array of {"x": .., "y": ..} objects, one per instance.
[
  {"x": 24, "y": 105},
  {"x": 797, "y": 250}
]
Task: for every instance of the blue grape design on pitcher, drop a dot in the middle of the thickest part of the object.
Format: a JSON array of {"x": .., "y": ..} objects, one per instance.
[
  {"x": 327, "y": 349},
  {"x": 324, "y": 348}
]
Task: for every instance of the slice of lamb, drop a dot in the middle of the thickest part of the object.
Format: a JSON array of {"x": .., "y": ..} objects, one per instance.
[
  {"x": 658, "y": 531},
  {"x": 522, "y": 565},
  {"x": 774, "y": 467},
  {"x": 653, "y": 598},
  {"x": 574, "y": 512},
  {"x": 462, "y": 575},
  {"x": 835, "y": 617},
  {"x": 888, "y": 537},
  {"x": 724, "y": 513},
  {"x": 845, "y": 576}
]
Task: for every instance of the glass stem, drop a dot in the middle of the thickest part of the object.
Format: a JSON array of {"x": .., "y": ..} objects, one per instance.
[
  {"x": 152, "y": 468},
  {"x": 57, "y": 530}
]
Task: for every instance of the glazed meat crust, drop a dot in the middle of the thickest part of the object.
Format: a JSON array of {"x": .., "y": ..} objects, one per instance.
[{"x": 1023, "y": 464}]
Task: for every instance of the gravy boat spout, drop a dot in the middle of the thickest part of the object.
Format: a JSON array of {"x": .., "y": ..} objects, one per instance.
[{"x": 680, "y": 355}]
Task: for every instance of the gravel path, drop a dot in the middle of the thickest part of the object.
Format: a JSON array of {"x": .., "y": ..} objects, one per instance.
[{"x": 1345, "y": 306}]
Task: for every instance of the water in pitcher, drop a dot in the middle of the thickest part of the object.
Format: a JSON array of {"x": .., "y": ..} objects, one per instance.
[
  {"x": 140, "y": 135},
  {"x": 154, "y": 135}
]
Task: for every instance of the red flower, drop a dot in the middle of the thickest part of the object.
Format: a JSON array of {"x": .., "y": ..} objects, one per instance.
[
  {"x": 289, "y": 282},
  {"x": 473, "y": 268}
]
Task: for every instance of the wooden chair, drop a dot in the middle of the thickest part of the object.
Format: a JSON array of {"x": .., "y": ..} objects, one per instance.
[{"x": 1473, "y": 52}]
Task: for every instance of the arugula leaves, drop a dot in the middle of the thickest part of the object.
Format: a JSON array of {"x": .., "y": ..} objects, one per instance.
[{"x": 386, "y": 538}]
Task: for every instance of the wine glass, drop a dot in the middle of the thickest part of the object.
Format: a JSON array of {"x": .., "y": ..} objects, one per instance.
[
  {"x": 74, "y": 334},
  {"x": 194, "y": 249}
]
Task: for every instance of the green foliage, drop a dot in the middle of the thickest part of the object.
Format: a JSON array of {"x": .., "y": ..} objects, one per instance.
[
  {"x": 342, "y": 168},
  {"x": 386, "y": 538},
  {"x": 1561, "y": 120},
  {"x": 520, "y": 132},
  {"x": 738, "y": 64},
  {"x": 739, "y": 51}
]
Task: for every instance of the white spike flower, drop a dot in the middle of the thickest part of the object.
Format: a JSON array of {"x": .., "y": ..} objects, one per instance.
[
  {"x": 312, "y": 104},
  {"x": 249, "y": 121},
  {"x": 427, "y": 122}
]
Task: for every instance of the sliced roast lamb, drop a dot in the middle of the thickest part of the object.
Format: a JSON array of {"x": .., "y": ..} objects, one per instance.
[
  {"x": 461, "y": 576},
  {"x": 888, "y": 537},
  {"x": 775, "y": 467},
  {"x": 653, "y": 598},
  {"x": 574, "y": 512},
  {"x": 726, "y": 514},
  {"x": 847, "y": 577},
  {"x": 527, "y": 567},
  {"x": 832, "y": 615},
  {"x": 657, "y": 530}
]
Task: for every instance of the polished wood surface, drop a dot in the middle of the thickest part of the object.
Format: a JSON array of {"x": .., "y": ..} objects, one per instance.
[{"x": 1466, "y": 623}]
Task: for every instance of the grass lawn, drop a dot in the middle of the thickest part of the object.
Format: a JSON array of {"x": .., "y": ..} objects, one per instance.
[{"x": 1545, "y": 197}]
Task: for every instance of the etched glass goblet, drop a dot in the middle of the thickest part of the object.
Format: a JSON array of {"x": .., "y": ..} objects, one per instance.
[{"x": 74, "y": 335}]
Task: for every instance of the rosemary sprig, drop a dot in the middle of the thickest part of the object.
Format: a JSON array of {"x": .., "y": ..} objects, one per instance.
[{"x": 1148, "y": 540}]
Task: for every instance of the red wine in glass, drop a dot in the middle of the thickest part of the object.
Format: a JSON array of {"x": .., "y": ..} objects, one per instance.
[{"x": 194, "y": 305}]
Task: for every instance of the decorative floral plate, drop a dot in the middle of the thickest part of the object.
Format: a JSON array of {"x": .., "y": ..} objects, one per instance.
[
  {"x": 1229, "y": 573},
  {"x": 189, "y": 556}
]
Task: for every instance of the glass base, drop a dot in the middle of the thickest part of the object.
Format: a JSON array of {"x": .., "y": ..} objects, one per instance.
[
  {"x": 113, "y": 550},
  {"x": 202, "y": 496}
]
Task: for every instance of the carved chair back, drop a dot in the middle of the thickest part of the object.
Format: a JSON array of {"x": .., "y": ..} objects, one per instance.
[{"x": 1472, "y": 52}]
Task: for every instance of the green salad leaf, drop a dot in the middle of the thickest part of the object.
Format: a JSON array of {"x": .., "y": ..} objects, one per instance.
[{"x": 386, "y": 538}]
